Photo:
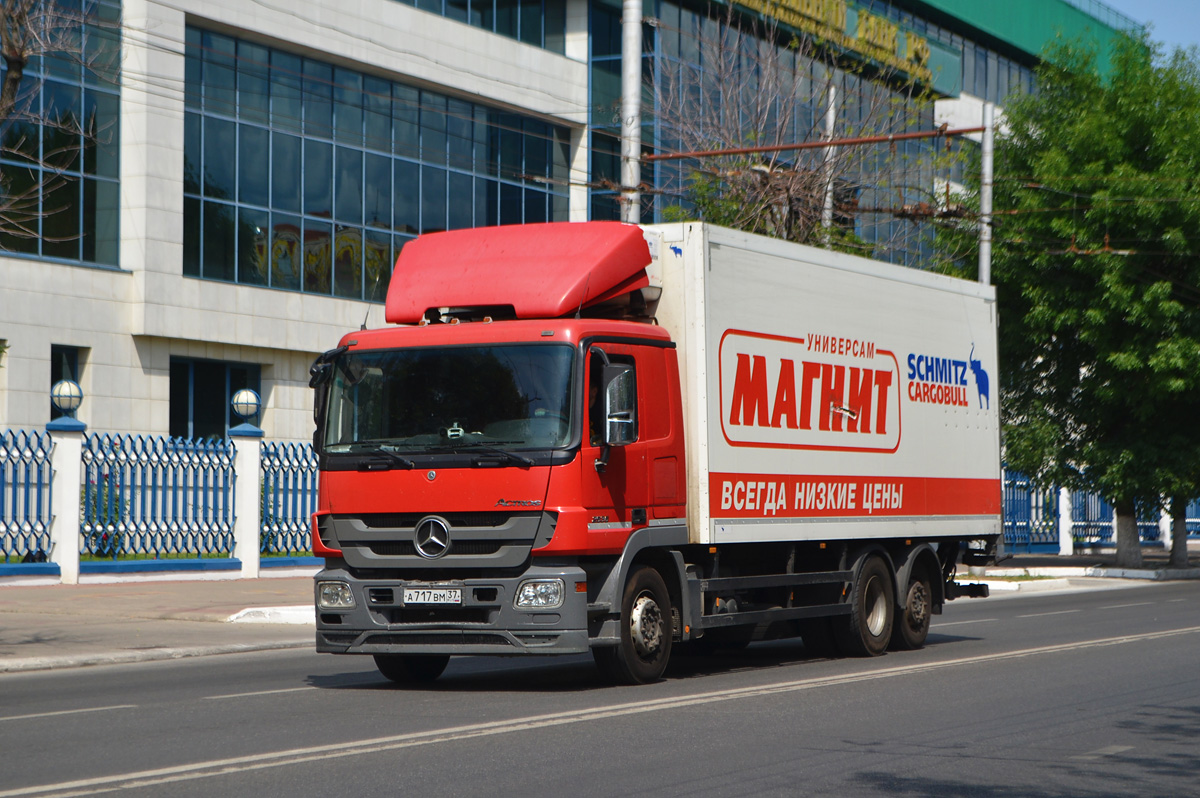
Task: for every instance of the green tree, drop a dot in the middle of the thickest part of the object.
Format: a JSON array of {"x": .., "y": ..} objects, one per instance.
[{"x": 1096, "y": 262}]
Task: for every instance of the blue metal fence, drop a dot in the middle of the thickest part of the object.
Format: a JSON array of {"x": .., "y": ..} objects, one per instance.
[
  {"x": 25, "y": 487},
  {"x": 1030, "y": 515},
  {"x": 152, "y": 496},
  {"x": 1147, "y": 524},
  {"x": 147, "y": 496},
  {"x": 1092, "y": 521},
  {"x": 1193, "y": 518},
  {"x": 289, "y": 498}
]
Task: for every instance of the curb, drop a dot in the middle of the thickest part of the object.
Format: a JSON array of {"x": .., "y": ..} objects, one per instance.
[
  {"x": 1099, "y": 571},
  {"x": 147, "y": 655},
  {"x": 1042, "y": 585},
  {"x": 304, "y": 614}
]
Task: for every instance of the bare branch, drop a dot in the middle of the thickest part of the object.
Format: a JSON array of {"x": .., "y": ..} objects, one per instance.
[{"x": 744, "y": 82}]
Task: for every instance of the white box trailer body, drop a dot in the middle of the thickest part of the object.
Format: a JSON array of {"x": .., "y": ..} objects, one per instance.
[{"x": 828, "y": 396}]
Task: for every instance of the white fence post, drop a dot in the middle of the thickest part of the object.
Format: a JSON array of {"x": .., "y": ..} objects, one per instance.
[
  {"x": 1066, "y": 538},
  {"x": 247, "y": 525},
  {"x": 1164, "y": 529},
  {"x": 66, "y": 464}
]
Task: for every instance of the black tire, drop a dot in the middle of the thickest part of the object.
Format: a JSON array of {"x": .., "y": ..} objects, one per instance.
[
  {"x": 867, "y": 630},
  {"x": 912, "y": 624},
  {"x": 645, "y": 647},
  {"x": 411, "y": 669}
]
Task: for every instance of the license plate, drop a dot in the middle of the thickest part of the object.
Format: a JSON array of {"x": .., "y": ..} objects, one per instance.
[{"x": 434, "y": 595}]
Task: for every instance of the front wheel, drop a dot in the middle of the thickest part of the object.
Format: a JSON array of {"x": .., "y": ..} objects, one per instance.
[
  {"x": 411, "y": 669},
  {"x": 867, "y": 630},
  {"x": 641, "y": 656}
]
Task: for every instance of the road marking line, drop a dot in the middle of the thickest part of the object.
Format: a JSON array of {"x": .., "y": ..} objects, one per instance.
[
  {"x": 1123, "y": 606},
  {"x": 68, "y": 712},
  {"x": 259, "y": 692},
  {"x": 960, "y": 623},
  {"x": 295, "y": 756},
  {"x": 1100, "y": 753},
  {"x": 1044, "y": 614}
]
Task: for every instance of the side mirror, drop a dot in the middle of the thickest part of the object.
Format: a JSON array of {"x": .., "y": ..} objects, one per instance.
[
  {"x": 318, "y": 374},
  {"x": 620, "y": 405},
  {"x": 321, "y": 369},
  {"x": 620, "y": 409}
]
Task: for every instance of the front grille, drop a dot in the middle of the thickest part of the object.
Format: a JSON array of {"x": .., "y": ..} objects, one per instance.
[
  {"x": 477, "y": 540},
  {"x": 405, "y": 548}
]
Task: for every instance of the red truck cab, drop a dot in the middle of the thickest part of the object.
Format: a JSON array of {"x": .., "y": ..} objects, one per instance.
[{"x": 486, "y": 462}]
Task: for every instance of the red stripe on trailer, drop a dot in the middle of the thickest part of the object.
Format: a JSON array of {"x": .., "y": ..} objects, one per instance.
[{"x": 812, "y": 496}]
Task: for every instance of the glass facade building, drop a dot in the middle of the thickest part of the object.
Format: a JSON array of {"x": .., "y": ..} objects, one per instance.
[
  {"x": 683, "y": 39},
  {"x": 542, "y": 23},
  {"x": 309, "y": 177},
  {"x": 60, "y": 144}
]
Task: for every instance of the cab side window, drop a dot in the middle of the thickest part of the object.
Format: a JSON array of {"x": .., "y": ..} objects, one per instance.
[{"x": 595, "y": 394}]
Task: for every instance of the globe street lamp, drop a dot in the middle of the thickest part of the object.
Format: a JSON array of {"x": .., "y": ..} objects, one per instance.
[
  {"x": 246, "y": 404},
  {"x": 66, "y": 396}
]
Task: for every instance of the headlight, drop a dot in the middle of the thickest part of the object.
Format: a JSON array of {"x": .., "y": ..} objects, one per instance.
[
  {"x": 539, "y": 594},
  {"x": 334, "y": 596}
]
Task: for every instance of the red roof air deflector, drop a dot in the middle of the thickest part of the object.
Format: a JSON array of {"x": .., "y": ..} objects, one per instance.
[{"x": 543, "y": 270}]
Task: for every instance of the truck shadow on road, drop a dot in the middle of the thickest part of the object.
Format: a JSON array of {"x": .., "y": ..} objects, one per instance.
[
  {"x": 767, "y": 654},
  {"x": 481, "y": 674},
  {"x": 578, "y": 672}
]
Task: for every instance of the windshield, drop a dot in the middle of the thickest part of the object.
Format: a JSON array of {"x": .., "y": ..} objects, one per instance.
[{"x": 415, "y": 400}]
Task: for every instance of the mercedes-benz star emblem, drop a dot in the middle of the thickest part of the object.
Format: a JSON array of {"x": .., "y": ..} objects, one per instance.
[{"x": 432, "y": 538}]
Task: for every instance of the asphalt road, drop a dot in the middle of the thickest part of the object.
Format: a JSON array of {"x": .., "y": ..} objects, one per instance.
[{"x": 1063, "y": 694}]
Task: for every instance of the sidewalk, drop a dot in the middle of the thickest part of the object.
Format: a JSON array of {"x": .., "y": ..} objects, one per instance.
[
  {"x": 68, "y": 626},
  {"x": 1040, "y": 573},
  {"x": 1102, "y": 564}
]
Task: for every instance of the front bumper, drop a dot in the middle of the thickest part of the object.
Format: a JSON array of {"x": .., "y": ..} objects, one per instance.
[{"x": 486, "y": 622}]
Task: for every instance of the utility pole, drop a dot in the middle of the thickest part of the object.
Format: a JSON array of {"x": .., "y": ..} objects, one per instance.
[
  {"x": 631, "y": 111},
  {"x": 830, "y": 154},
  {"x": 985, "y": 194}
]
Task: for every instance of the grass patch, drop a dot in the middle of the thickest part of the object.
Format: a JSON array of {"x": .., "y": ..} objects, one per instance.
[{"x": 138, "y": 556}]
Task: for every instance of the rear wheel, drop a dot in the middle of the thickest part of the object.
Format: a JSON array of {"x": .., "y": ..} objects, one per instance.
[
  {"x": 912, "y": 625},
  {"x": 411, "y": 669},
  {"x": 867, "y": 630},
  {"x": 645, "y": 647}
]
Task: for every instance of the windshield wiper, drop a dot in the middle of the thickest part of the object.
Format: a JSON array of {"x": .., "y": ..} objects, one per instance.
[
  {"x": 512, "y": 457},
  {"x": 393, "y": 460}
]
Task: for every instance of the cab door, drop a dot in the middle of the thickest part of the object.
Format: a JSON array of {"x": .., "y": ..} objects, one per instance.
[{"x": 616, "y": 494}]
